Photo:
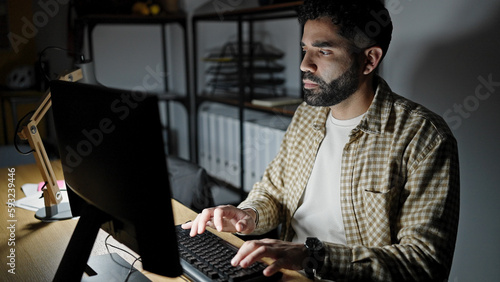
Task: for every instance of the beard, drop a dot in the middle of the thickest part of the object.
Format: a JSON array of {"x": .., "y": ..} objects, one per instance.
[{"x": 338, "y": 90}]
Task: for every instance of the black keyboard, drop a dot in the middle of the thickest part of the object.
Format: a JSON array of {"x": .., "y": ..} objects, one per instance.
[{"x": 207, "y": 257}]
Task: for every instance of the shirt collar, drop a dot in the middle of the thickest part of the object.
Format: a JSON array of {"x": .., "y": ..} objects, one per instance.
[
  {"x": 321, "y": 117},
  {"x": 377, "y": 115}
]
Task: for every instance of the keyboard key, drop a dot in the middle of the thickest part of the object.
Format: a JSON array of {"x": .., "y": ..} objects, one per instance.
[{"x": 207, "y": 257}]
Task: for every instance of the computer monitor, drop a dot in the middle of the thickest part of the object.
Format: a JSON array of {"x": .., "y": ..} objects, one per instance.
[{"x": 114, "y": 164}]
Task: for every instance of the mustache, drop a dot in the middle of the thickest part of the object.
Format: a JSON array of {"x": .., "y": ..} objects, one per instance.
[{"x": 311, "y": 77}]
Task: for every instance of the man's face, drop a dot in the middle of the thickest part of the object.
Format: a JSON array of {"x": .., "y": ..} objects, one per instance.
[{"x": 330, "y": 72}]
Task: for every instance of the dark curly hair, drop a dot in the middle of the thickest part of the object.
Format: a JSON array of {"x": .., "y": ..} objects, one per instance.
[{"x": 365, "y": 23}]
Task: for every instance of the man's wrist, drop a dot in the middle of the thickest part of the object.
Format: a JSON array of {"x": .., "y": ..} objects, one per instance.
[{"x": 253, "y": 213}]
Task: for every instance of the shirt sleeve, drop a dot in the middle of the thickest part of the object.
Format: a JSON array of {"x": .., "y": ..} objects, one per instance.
[
  {"x": 266, "y": 197},
  {"x": 271, "y": 196}
]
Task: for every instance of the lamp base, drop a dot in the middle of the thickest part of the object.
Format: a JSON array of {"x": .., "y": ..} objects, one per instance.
[{"x": 62, "y": 212}]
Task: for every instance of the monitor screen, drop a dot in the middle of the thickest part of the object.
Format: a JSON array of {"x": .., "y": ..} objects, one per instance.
[{"x": 113, "y": 158}]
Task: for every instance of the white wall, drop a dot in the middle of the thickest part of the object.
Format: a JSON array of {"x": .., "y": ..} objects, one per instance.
[{"x": 440, "y": 54}]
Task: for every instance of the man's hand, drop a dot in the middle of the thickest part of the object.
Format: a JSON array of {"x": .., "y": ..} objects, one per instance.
[
  {"x": 287, "y": 255},
  {"x": 223, "y": 218}
]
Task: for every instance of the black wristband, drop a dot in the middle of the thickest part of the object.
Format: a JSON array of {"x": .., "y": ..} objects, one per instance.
[{"x": 316, "y": 256}]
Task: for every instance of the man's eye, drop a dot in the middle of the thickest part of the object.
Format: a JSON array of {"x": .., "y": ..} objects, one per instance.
[{"x": 324, "y": 52}]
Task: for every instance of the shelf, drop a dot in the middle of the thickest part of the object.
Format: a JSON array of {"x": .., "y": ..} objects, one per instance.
[
  {"x": 256, "y": 51},
  {"x": 231, "y": 70},
  {"x": 179, "y": 17},
  {"x": 266, "y": 12},
  {"x": 173, "y": 97},
  {"x": 85, "y": 27},
  {"x": 241, "y": 70},
  {"x": 233, "y": 100},
  {"x": 229, "y": 82}
]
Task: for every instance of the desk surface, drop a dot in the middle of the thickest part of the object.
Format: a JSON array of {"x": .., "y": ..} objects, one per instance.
[{"x": 36, "y": 248}]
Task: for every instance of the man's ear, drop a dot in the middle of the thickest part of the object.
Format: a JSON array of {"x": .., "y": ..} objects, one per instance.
[{"x": 373, "y": 55}]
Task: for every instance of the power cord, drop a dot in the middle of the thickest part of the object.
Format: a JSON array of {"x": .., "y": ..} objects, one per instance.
[
  {"x": 16, "y": 137},
  {"x": 131, "y": 268}
]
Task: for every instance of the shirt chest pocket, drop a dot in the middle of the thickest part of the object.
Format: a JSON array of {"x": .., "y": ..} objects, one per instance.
[{"x": 380, "y": 210}]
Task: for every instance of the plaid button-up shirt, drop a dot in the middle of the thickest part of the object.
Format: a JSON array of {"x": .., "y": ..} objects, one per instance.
[{"x": 399, "y": 191}]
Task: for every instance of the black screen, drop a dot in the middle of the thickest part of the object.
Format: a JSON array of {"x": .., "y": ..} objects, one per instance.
[{"x": 112, "y": 152}]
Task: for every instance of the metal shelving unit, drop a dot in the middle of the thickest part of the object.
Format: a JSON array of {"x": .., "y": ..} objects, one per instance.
[
  {"x": 245, "y": 93},
  {"x": 89, "y": 22}
]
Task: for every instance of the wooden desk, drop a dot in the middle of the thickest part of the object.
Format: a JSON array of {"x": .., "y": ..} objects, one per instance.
[{"x": 40, "y": 246}]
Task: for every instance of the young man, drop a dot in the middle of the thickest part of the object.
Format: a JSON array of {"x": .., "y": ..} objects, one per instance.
[{"x": 366, "y": 183}]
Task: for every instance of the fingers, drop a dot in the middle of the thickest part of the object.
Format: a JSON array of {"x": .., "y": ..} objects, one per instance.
[
  {"x": 218, "y": 218},
  {"x": 187, "y": 225},
  {"x": 201, "y": 221},
  {"x": 286, "y": 255},
  {"x": 273, "y": 268},
  {"x": 250, "y": 252},
  {"x": 241, "y": 226},
  {"x": 223, "y": 218},
  {"x": 231, "y": 219},
  {"x": 198, "y": 224},
  {"x": 253, "y": 251}
]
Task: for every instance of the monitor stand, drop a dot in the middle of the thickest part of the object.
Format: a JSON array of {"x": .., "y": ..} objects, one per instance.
[
  {"x": 80, "y": 245},
  {"x": 111, "y": 267},
  {"x": 74, "y": 262}
]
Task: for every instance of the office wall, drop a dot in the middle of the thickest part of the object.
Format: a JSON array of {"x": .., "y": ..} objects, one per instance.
[
  {"x": 445, "y": 55},
  {"x": 19, "y": 50}
]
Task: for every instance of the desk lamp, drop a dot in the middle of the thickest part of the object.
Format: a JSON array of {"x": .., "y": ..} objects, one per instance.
[{"x": 54, "y": 209}]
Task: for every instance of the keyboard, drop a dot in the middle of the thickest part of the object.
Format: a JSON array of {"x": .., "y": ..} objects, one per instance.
[{"x": 207, "y": 257}]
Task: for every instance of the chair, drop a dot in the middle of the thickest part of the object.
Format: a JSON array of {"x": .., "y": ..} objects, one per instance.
[{"x": 189, "y": 183}]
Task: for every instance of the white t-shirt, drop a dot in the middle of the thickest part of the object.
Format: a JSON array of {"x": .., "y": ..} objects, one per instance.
[{"x": 319, "y": 213}]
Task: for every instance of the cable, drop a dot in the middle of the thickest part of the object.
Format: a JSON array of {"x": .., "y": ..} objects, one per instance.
[
  {"x": 17, "y": 131},
  {"x": 118, "y": 248},
  {"x": 131, "y": 268}
]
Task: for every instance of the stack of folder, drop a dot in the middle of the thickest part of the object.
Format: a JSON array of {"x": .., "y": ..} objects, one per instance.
[{"x": 220, "y": 145}]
